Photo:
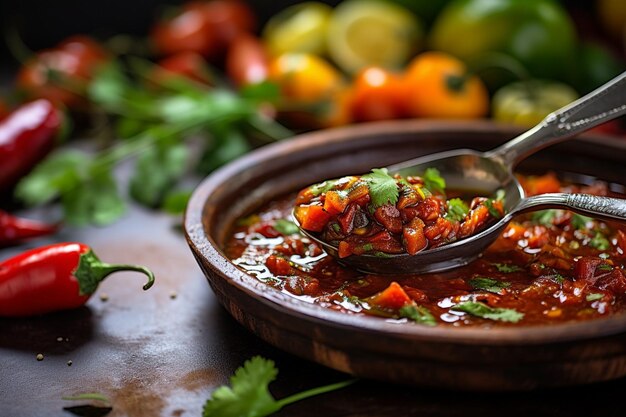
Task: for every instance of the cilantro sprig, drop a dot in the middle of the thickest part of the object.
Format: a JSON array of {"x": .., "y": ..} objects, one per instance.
[
  {"x": 489, "y": 284},
  {"x": 482, "y": 310},
  {"x": 419, "y": 314},
  {"x": 383, "y": 187},
  {"x": 457, "y": 209},
  {"x": 433, "y": 181},
  {"x": 158, "y": 127},
  {"x": 248, "y": 394}
]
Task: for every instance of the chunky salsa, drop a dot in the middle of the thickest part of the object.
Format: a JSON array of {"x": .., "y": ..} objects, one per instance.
[
  {"x": 550, "y": 266},
  {"x": 381, "y": 214}
]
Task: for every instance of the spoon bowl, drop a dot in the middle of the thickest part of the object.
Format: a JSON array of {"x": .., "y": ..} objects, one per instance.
[{"x": 483, "y": 173}]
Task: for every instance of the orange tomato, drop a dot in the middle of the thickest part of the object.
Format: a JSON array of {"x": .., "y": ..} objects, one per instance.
[
  {"x": 247, "y": 61},
  {"x": 438, "y": 85},
  {"x": 304, "y": 77},
  {"x": 377, "y": 95}
]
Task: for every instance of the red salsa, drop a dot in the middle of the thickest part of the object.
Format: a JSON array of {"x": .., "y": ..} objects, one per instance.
[
  {"x": 550, "y": 266},
  {"x": 381, "y": 214}
]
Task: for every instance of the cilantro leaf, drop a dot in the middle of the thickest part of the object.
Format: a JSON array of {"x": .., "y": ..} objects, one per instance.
[
  {"x": 418, "y": 314},
  {"x": 579, "y": 221},
  {"x": 322, "y": 187},
  {"x": 544, "y": 217},
  {"x": 382, "y": 186},
  {"x": 457, "y": 209},
  {"x": 489, "y": 284},
  {"x": 594, "y": 297},
  {"x": 484, "y": 311},
  {"x": 605, "y": 267},
  {"x": 230, "y": 144},
  {"x": 600, "y": 242},
  {"x": 433, "y": 181},
  {"x": 492, "y": 210},
  {"x": 248, "y": 394},
  {"x": 175, "y": 202},
  {"x": 558, "y": 278},
  {"x": 506, "y": 268},
  {"x": 286, "y": 227}
]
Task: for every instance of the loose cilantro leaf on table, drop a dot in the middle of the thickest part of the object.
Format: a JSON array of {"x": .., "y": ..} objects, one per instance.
[
  {"x": 457, "y": 209},
  {"x": 433, "y": 181},
  {"x": 418, "y": 314},
  {"x": 382, "y": 186},
  {"x": 484, "y": 311},
  {"x": 248, "y": 394},
  {"x": 489, "y": 284}
]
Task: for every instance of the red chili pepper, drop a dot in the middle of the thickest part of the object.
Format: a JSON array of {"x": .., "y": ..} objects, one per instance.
[
  {"x": 55, "y": 277},
  {"x": 15, "y": 229},
  {"x": 26, "y": 136}
]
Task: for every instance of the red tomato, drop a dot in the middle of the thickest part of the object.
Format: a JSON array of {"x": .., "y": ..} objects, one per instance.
[
  {"x": 188, "y": 31},
  {"x": 230, "y": 18},
  {"x": 247, "y": 61},
  {"x": 60, "y": 74},
  {"x": 376, "y": 95},
  {"x": 186, "y": 64}
]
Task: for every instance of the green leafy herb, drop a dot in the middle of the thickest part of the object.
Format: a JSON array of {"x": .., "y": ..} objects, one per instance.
[
  {"x": 600, "y": 242},
  {"x": 579, "y": 221},
  {"x": 492, "y": 210},
  {"x": 489, "y": 284},
  {"x": 500, "y": 195},
  {"x": 175, "y": 202},
  {"x": 88, "y": 396},
  {"x": 457, "y": 209},
  {"x": 286, "y": 227},
  {"x": 558, "y": 278},
  {"x": 506, "y": 268},
  {"x": 322, "y": 187},
  {"x": 483, "y": 310},
  {"x": 248, "y": 394},
  {"x": 382, "y": 186},
  {"x": 418, "y": 314},
  {"x": 544, "y": 217},
  {"x": 594, "y": 297},
  {"x": 605, "y": 267},
  {"x": 433, "y": 181}
]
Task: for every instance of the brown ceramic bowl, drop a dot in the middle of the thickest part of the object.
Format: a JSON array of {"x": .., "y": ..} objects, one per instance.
[{"x": 460, "y": 358}]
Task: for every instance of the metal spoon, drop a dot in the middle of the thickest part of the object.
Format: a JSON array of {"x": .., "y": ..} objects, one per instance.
[{"x": 489, "y": 171}]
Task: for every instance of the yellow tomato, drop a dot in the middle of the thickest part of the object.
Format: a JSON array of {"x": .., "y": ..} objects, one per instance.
[
  {"x": 304, "y": 77},
  {"x": 438, "y": 85}
]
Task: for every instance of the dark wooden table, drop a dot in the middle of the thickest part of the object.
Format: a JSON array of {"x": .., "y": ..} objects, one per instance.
[{"x": 162, "y": 352}]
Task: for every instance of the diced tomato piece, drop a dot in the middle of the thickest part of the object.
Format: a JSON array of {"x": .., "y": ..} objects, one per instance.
[
  {"x": 267, "y": 230},
  {"x": 391, "y": 298},
  {"x": 335, "y": 203},
  {"x": 312, "y": 217},
  {"x": 346, "y": 220},
  {"x": 547, "y": 183},
  {"x": 278, "y": 265},
  {"x": 344, "y": 249},
  {"x": 389, "y": 217},
  {"x": 589, "y": 269},
  {"x": 621, "y": 240},
  {"x": 414, "y": 238}
]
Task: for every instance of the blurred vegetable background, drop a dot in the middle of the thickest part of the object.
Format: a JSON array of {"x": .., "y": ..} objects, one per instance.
[{"x": 182, "y": 89}]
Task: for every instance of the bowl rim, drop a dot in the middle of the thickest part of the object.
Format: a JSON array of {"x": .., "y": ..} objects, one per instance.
[{"x": 208, "y": 252}]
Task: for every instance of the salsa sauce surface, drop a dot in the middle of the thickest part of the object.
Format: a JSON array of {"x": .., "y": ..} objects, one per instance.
[{"x": 548, "y": 267}]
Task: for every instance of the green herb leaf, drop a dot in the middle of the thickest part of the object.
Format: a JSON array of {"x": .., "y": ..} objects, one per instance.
[
  {"x": 93, "y": 396},
  {"x": 500, "y": 195},
  {"x": 457, "y": 209},
  {"x": 492, "y": 210},
  {"x": 286, "y": 227},
  {"x": 489, "y": 284},
  {"x": 600, "y": 242},
  {"x": 594, "y": 297},
  {"x": 157, "y": 169},
  {"x": 605, "y": 267},
  {"x": 109, "y": 86},
  {"x": 322, "y": 187},
  {"x": 230, "y": 144},
  {"x": 382, "y": 186},
  {"x": 484, "y": 311},
  {"x": 506, "y": 268},
  {"x": 175, "y": 202},
  {"x": 579, "y": 221},
  {"x": 263, "y": 91},
  {"x": 418, "y": 314},
  {"x": 544, "y": 217},
  {"x": 434, "y": 181},
  {"x": 248, "y": 394},
  {"x": 558, "y": 278}
]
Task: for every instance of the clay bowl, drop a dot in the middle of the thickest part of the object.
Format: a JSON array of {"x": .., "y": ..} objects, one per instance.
[{"x": 468, "y": 358}]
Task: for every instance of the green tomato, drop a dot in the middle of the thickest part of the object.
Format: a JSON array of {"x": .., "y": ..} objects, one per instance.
[
  {"x": 298, "y": 28},
  {"x": 526, "y": 103},
  {"x": 537, "y": 33}
]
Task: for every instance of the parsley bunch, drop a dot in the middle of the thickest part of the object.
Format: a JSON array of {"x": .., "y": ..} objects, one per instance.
[{"x": 168, "y": 127}]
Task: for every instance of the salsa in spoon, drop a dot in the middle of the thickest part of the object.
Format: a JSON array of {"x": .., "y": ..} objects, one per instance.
[{"x": 488, "y": 172}]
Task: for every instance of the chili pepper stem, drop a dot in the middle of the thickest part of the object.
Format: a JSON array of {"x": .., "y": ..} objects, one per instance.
[{"x": 91, "y": 271}]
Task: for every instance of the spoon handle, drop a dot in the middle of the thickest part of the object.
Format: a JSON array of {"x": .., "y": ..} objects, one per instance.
[
  {"x": 601, "y": 105},
  {"x": 603, "y": 207}
]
